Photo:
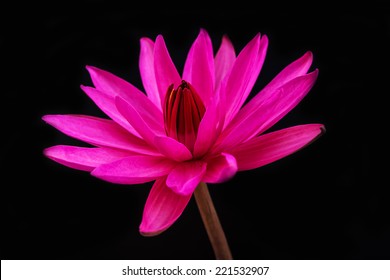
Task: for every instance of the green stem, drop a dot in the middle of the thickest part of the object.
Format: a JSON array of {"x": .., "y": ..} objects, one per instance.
[{"x": 212, "y": 224}]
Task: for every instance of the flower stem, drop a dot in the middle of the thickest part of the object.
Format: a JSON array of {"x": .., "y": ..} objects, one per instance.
[{"x": 211, "y": 222}]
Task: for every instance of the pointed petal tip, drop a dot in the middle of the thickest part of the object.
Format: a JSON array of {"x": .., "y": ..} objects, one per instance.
[
  {"x": 226, "y": 39},
  {"x": 49, "y": 118},
  {"x": 308, "y": 54},
  {"x": 308, "y": 57},
  {"x": 321, "y": 131},
  {"x": 47, "y": 151},
  {"x": 90, "y": 68}
]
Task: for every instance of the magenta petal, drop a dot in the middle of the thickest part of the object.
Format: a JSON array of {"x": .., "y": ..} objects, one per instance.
[
  {"x": 165, "y": 70},
  {"x": 146, "y": 67},
  {"x": 115, "y": 86},
  {"x": 172, "y": 149},
  {"x": 81, "y": 158},
  {"x": 297, "y": 68},
  {"x": 220, "y": 168},
  {"x": 275, "y": 145},
  {"x": 243, "y": 75},
  {"x": 224, "y": 60},
  {"x": 106, "y": 103},
  {"x": 146, "y": 129},
  {"x": 209, "y": 129},
  {"x": 134, "y": 169},
  {"x": 199, "y": 67},
  {"x": 165, "y": 145},
  {"x": 186, "y": 176},
  {"x": 267, "y": 113},
  {"x": 98, "y": 132},
  {"x": 163, "y": 207}
]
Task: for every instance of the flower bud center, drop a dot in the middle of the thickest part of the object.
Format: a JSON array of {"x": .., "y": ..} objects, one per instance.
[{"x": 183, "y": 111}]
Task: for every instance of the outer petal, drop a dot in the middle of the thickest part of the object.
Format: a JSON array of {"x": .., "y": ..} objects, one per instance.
[
  {"x": 115, "y": 86},
  {"x": 81, "y": 158},
  {"x": 244, "y": 74},
  {"x": 134, "y": 169},
  {"x": 270, "y": 147},
  {"x": 165, "y": 70},
  {"x": 163, "y": 207},
  {"x": 146, "y": 67},
  {"x": 186, "y": 176},
  {"x": 224, "y": 60},
  {"x": 98, "y": 132},
  {"x": 106, "y": 103},
  {"x": 292, "y": 71},
  {"x": 199, "y": 67},
  {"x": 267, "y": 113},
  {"x": 220, "y": 168}
]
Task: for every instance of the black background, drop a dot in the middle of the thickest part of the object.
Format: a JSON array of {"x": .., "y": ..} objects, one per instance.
[{"x": 328, "y": 201}]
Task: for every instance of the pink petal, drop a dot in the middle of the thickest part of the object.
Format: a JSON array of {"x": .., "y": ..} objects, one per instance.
[
  {"x": 199, "y": 67},
  {"x": 167, "y": 146},
  {"x": 146, "y": 67},
  {"x": 224, "y": 60},
  {"x": 98, "y": 132},
  {"x": 106, "y": 103},
  {"x": 115, "y": 86},
  {"x": 267, "y": 113},
  {"x": 243, "y": 75},
  {"x": 292, "y": 71},
  {"x": 275, "y": 145},
  {"x": 172, "y": 148},
  {"x": 209, "y": 129},
  {"x": 81, "y": 158},
  {"x": 163, "y": 207},
  {"x": 165, "y": 70},
  {"x": 135, "y": 119},
  {"x": 134, "y": 169},
  {"x": 186, "y": 176},
  {"x": 220, "y": 168}
]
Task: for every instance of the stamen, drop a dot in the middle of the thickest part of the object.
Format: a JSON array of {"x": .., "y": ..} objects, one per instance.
[{"x": 183, "y": 111}]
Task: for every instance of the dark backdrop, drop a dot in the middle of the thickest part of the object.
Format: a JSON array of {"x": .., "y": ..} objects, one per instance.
[{"x": 328, "y": 201}]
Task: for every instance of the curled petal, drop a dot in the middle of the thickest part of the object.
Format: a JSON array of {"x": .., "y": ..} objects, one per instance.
[
  {"x": 135, "y": 169},
  {"x": 186, "y": 176},
  {"x": 220, "y": 168},
  {"x": 163, "y": 207},
  {"x": 275, "y": 145},
  {"x": 81, "y": 158}
]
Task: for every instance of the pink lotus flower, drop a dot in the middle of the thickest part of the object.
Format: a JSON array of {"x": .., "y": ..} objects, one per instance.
[{"x": 188, "y": 128}]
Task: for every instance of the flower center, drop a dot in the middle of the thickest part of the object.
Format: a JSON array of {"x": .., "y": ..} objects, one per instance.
[{"x": 183, "y": 111}]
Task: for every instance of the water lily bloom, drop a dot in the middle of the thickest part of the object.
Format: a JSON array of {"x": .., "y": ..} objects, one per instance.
[{"x": 189, "y": 128}]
